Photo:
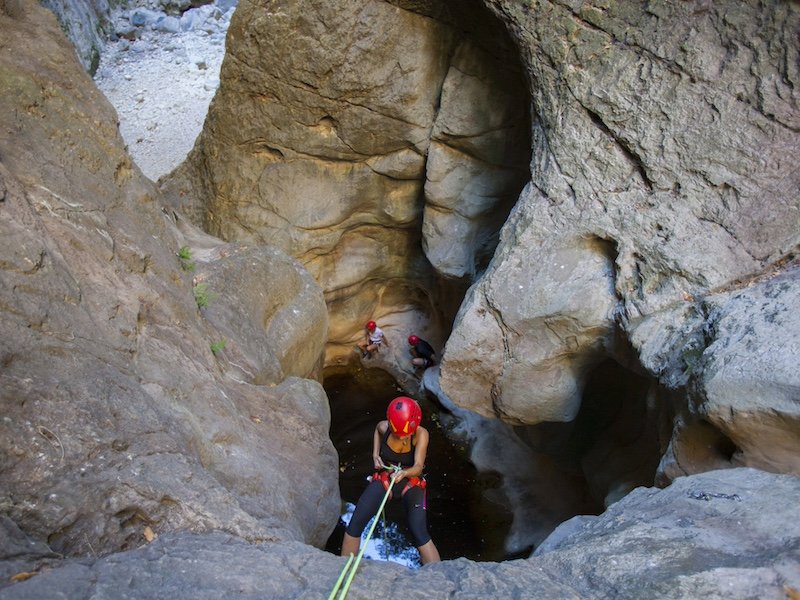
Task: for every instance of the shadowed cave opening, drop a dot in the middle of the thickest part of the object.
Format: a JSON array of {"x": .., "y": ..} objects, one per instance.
[
  {"x": 616, "y": 441},
  {"x": 576, "y": 468},
  {"x": 461, "y": 521}
]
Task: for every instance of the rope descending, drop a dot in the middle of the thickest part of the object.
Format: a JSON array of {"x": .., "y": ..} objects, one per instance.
[{"x": 357, "y": 561}]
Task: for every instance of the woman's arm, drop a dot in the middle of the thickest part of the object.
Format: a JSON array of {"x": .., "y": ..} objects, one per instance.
[
  {"x": 380, "y": 429},
  {"x": 420, "y": 452}
]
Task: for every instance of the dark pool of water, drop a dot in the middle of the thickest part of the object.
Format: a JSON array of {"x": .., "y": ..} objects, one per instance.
[{"x": 460, "y": 520}]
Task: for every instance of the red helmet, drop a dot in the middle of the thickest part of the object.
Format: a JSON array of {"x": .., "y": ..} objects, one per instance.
[
  {"x": 404, "y": 415},
  {"x": 372, "y": 325},
  {"x": 413, "y": 340}
]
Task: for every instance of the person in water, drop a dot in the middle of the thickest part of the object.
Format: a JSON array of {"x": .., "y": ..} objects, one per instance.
[{"x": 400, "y": 441}]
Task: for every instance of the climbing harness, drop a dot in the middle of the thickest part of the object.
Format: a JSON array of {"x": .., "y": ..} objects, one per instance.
[
  {"x": 384, "y": 478},
  {"x": 352, "y": 571}
]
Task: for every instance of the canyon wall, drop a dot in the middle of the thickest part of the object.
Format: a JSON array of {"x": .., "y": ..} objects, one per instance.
[
  {"x": 156, "y": 378},
  {"x": 380, "y": 144},
  {"x": 137, "y": 393},
  {"x": 381, "y": 147},
  {"x": 662, "y": 211}
]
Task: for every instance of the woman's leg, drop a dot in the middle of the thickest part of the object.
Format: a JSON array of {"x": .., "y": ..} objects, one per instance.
[
  {"x": 428, "y": 553},
  {"x": 415, "y": 503},
  {"x": 350, "y": 545},
  {"x": 366, "y": 508}
]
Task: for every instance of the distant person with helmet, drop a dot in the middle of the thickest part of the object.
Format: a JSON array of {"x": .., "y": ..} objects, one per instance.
[
  {"x": 398, "y": 441},
  {"x": 373, "y": 339},
  {"x": 422, "y": 353}
]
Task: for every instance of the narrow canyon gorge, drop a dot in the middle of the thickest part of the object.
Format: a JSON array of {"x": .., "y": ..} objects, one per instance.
[{"x": 590, "y": 209}]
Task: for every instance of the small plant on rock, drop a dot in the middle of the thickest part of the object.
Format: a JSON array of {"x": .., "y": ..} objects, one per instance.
[
  {"x": 185, "y": 254},
  {"x": 202, "y": 295},
  {"x": 217, "y": 347}
]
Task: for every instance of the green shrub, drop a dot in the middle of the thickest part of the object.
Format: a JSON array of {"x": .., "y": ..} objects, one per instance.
[
  {"x": 185, "y": 254},
  {"x": 217, "y": 347},
  {"x": 202, "y": 295}
]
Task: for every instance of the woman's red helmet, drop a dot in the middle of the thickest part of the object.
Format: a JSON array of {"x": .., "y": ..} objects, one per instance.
[
  {"x": 404, "y": 415},
  {"x": 413, "y": 340},
  {"x": 371, "y": 325}
]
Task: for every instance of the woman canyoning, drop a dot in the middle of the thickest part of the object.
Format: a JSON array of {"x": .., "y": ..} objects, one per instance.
[{"x": 399, "y": 448}]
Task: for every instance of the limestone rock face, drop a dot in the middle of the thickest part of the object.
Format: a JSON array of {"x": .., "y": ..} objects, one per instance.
[
  {"x": 748, "y": 384},
  {"x": 744, "y": 387},
  {"x": 540, "y": 323},
  {"x": 667, "y": 135},
  {"x": 702, "y": 511},
  {"x": 530, "y": 485},
  {"x": 291, "y": 158},
  {"x": 338, "y": 128},
  {"x": 117, "y": 415},
  {"x": 271, "y": 310},
  {"x": 715, "y": 535},
  {"x": 87, "y": 24},
  {"x": 475, "y": 168}
]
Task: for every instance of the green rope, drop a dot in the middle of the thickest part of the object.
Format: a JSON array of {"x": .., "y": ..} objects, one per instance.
[
  {"x": 341, "y": 577},
  {"x": 353, "y": 570},
  {"x": 383, "y": 529}
]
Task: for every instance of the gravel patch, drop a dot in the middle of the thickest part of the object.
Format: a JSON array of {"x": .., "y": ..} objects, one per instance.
[{"x": 162, "y": 81}]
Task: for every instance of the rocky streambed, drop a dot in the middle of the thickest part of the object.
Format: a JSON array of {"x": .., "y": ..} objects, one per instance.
[{"x": 160, "y": 72}]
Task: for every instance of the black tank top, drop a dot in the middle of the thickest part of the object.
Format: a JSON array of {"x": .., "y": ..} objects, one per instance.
[{"x": 389, "y": 456}]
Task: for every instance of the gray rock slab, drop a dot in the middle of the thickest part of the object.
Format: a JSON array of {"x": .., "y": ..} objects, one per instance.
[{"x": 724, "y": 534}]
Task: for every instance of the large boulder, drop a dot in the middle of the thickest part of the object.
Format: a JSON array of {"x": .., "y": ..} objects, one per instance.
[
  {"x": 268, "y": 309},
  {"x": 749, "y": 384},
  {"x": 703, "y": 536},
  {"x": 541, "y": 322},
  {"x": 716, "y": 535},
  {"x": 738, "y": 362},
  {"x": 664, "y": 139},
  {"x": 117, "y": 414}
]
